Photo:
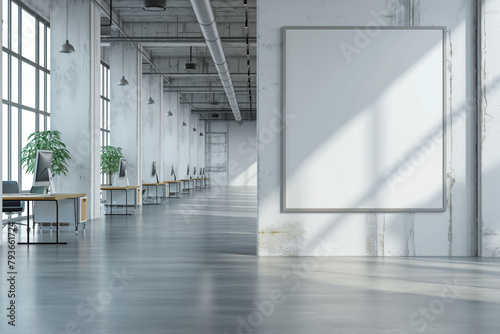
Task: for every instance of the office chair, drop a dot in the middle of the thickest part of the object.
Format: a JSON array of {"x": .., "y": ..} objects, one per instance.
[{"x": 11, "y": 207}]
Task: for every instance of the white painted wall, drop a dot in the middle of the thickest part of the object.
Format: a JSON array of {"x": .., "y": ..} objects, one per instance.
[
  {"x": 490, "y": 129},
  {"x": 170, "y": 125},
  {"x": 184, "y": 146},
  {"x": 152, "y": 127},
  {"x": 193, "y": 142},
  {"x": 448, "y": 233},
  {"x": 242, "y": 154},
  {"x": 216, "y": 155},
  {"x": 75, "y": 98},
  {"x": 126, "y": 107}
]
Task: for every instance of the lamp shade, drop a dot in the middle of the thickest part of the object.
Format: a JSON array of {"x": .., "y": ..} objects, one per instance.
[
  {"x": 150, "y": 101},
  {"x": 154, "y": 5},
  {"x": 67, "y": 48},
  {"x": 170, "y": 113},
  {"x": 183, "y": 123},
  {"x": 123, "y": 81}
]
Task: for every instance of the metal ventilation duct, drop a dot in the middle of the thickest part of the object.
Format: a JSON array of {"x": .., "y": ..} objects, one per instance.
[{"x": 206, "y": 19}]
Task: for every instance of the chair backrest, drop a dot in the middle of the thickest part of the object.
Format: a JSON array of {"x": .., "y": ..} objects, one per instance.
[{"x": 11, "y": 187}]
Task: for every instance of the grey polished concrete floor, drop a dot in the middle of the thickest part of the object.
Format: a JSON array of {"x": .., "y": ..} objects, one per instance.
[{"x": 190, "y": 267}]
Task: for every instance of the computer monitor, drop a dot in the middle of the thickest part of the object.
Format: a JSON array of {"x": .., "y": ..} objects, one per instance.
[
  {"x": 172, "y": 172},
  {"x": 154, "y": 172},
  {"x": 121, "y": 178},
  {"x": 42, "y": 175},
  {"x": 187, "y": 172},
  {"x": 122, "y": 168},
  {"x": 194, "y": 170}
]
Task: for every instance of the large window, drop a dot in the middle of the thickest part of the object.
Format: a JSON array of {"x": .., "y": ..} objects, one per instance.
[
  {"x": 25, "y": 84},
  {"x": 104, "y": 109}
]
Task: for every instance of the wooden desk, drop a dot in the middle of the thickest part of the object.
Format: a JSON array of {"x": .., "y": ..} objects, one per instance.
[
  {"x": 126, "y": 189},
  {"x": 44, "y": 198},
  {"x": 156, "y": 185},
  {"x": 196, "y": 181},
  {"x": 207, "y": 182},
  {"x": 183, "y": 185},
  {"x": 177, "y": 186}
]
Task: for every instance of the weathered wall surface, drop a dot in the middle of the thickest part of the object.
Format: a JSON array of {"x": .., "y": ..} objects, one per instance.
[
  {"x": 396, "y": 234},
  {"x": 490, "y": 128}
]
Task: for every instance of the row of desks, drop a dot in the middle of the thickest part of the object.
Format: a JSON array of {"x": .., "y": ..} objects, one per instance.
[{"x": 163, "y": 190}]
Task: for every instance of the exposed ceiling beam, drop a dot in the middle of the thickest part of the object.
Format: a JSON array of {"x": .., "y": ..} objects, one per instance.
[
  {"x": 196, "y": 75},
  {"x": 179, "y": 41},
  {"x": 203, "y": 89}
]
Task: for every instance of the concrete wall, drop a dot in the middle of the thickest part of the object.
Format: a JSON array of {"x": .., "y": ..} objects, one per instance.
[
  {"x": 242, "y": 154},
  {"x": 126, "y": 107},
  {"x": 184, "y": 146},
  {"x": 170, "y": 125},
  {"x": 216, "y": 155},
  {"x": 152, "y": 145},
  {"x": 489, "y": 136},
  {"x": 75, "y": 97},
  {"x": 193, "y": 142},
  {"x": 399, "y": 234}
]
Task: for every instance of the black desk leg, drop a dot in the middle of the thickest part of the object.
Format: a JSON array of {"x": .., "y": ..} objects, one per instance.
[{"x": 28, "y": 222}]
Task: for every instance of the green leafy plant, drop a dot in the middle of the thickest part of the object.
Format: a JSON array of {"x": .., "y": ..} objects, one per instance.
[
  {"x": 110, "y": 158},
  {"x": 46, "y": 140}
]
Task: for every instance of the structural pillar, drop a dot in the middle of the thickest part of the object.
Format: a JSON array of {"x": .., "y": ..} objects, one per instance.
[
  {"x": 152, "y": 115},
  {"x": 126, "y": 103},
  {"x": 75, "y": 96}
]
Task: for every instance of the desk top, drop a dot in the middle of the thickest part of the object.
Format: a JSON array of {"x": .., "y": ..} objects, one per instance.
[
  {"x": 39, "y": 197},
  {"x": 119, "y": 188},
  {"x": 153, "y": 184},
  {"x": 171, "y": 181}
]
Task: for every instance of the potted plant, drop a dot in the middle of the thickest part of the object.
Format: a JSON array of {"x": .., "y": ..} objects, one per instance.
[
  {"x": 46, "y": 140},
  {"x": 110, "y": 158}
]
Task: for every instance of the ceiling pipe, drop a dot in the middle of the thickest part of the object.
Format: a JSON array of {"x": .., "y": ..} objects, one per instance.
[{"x": 206, "y": 19}]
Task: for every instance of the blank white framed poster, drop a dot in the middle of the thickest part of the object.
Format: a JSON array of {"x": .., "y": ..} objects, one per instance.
[{"x": 363, "y": 119}]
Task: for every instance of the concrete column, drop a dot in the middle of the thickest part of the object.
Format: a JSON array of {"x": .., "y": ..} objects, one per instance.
[
  {"x": 489, "y": 128},
  {"x": 1, "y": 127},
  {"x": 193, "y": 142},
  {"x": 201, "y": 144},
  {"x": 170, "y": 125},
  {"x": 152, "y": 116},
  {"x": 403, "y": 234},
  {"x": 75, "y": 96},
  {"x": 184, "y": 135},
  {"x": 126, "y": 107}
]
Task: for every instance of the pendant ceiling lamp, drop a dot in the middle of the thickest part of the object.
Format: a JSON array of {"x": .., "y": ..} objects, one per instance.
[
  {"x": 123, "y": 81},
  {"x": 170, "y": 113},
  {"x": 67, "y": 47},
  {"x": 154, "y": 5},
  {"x": 150, "y": 100},
  {"x": 190, "y": 65}
]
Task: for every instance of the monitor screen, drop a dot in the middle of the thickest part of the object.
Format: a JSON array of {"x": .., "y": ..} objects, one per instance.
[
  {"x": 172, "y": 172},
  {"x": 153, "y": 171},
  {"x": 122, "y": 168},
  {"x": 187, "y": 172},
  {"x": 42, "y": 166},
  {"x": 194, "y": 170}
]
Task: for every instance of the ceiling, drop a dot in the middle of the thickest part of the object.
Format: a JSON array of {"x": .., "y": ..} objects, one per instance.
[{"x": 167, "y": 37}]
